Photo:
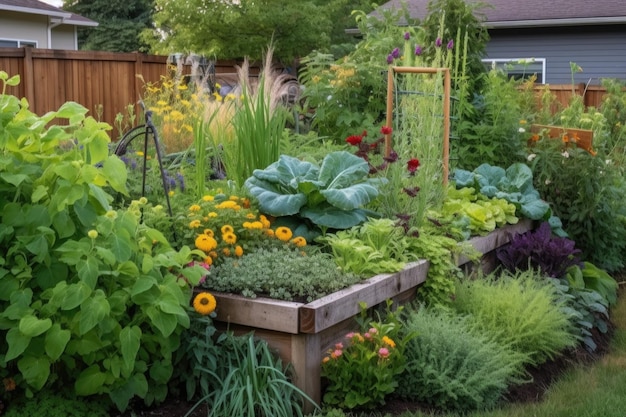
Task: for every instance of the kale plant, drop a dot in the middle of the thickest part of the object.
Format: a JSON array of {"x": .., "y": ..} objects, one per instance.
[{"x": 540, "y": 249}]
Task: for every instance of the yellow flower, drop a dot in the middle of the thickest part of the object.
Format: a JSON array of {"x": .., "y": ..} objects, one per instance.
[
  {"x": 253, "y": 225},
  {"x": 233, "y": 198},
  {"x": 171, "y": 193},
  {"x": 264, "y": 221},
  {"x": 299, "y": 241},
  {"x": 238, "y": 251},
  {"x": 209, "y": 232},
  {"x": 227, "y": 228},
  {"x": 213, "y": 254},
  {"x": 208, "y": 260},
  {"x": 229, "y": 238},
  {"x": 204, "y": 303},
  {"x": 227, "y": 204},
  {"x": 195, "y": 207},
  {"x": 250, "y": 216},
  {"x": 194, "y": 224},
  {"x": 212, "y": 214},
  {"x": 205, "y": 243},
  {"x": 389, "y": 342},
  {"x": 269, "y": 232},
  {"x": 326, "y": 359},
  {"x": 283, "y": 233},
  {"x": 92, "y": 234},
  {"x": 207, "y": 198},
  {"x": 226, "y": 252}
]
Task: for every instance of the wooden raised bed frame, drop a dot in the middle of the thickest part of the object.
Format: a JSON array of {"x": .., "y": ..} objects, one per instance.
[{"x": 302, "y": 333}]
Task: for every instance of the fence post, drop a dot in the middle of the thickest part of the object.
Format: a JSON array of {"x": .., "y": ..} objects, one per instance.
[{"x": 29, "y": 76}]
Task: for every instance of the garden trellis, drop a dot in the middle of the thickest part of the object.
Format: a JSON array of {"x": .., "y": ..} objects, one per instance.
[{"x": 392, "y": 98}]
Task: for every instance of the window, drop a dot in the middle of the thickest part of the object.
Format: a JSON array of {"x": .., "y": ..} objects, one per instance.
[
  {"x": 520, "y": 68},
  {"x": 16, "y": 43}
]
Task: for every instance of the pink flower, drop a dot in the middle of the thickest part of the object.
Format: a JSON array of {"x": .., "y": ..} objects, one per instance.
[
  {"x": 350, "y": 335},
  {"x": 336, "y": 353},
  {"x": 339, "y": 346},
  {"x": 373, "y": 330},
  {"x": 383, "y": 352},
  {"x": 368, "y": 336}
]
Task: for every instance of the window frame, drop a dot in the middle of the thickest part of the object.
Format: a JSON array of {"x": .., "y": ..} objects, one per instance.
[
  {"x": 500, "y": 63},
  {"x": 19, "y": 42}
]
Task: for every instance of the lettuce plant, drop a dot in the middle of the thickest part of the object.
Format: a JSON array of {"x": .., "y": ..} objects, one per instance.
[
  {"x": 328, "y": 196},
  {"x": 540, "y": 249}
]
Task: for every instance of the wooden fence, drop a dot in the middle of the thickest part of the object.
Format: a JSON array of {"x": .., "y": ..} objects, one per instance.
[{"x": 104, "y": 82}]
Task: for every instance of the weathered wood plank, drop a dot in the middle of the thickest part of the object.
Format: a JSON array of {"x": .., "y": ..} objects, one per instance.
[
  {"x": 262, "y": 313},
  {"x": 326, "y": 311}
]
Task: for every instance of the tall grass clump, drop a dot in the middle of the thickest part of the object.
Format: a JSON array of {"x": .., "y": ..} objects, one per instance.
[
  {"x": 258, "y": 122},
  {"x": 521, "y": 310},
  {"x": 451, "y": 366}
]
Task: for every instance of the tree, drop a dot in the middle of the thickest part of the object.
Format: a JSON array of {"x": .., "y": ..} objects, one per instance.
[
  {"x": 120, "y": 23},
  {"x": 231, "y": 29}
]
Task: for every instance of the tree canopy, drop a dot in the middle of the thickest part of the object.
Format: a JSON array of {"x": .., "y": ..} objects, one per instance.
[
  {"x": 234, "y": 29},
  {"x": 120, "y": 23}
]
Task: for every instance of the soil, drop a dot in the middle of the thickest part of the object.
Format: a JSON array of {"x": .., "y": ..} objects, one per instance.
[{"x": 542, "y": 377}]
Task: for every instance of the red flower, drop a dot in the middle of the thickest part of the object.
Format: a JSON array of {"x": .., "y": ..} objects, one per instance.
[
  {"x": 412, "y": 165},
  {"x": 386, "y": 130},
  {"x": 354, "y": 140},
  {"x": 364, "y": 133}
]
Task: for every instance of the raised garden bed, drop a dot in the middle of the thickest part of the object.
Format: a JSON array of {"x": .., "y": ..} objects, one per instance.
[{"x": 302, "y": 333}]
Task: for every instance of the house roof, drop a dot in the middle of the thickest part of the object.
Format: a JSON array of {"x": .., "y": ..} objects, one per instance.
[
  {"x": 534, "y": 13},
  {"x": 55, "y": 14}
]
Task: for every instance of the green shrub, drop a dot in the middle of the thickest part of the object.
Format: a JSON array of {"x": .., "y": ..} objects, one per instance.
[
  {"x": 281, "y": 273},
  {"x": 452, "y": 366},
  {"x": 521, "y": 310},
  {"x": 48, "y": 404}
]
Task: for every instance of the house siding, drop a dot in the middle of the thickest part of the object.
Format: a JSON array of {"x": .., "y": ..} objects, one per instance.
[
  {"x": 20, "y": 26},
  {"x": 64, "y": 37},
  {"x": 599, "y": 50}
]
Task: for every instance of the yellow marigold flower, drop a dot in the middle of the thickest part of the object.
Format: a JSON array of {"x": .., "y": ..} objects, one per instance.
[
  {"x": 212, "y": 214},
  {"x": 253, "y": 225},
  {"x": 265, "y": 221},
  {"x": 226, "y": 204},
  {"x": 389, "y": 342},
  {"x": 299, "y": 241},
  {"x": 209, "y": 232},
  {"x": 250, "y": 216},
  {"x": 227, "y": 228},
  {"x": 208, "y": 260},
  {"x": 226, "y": 252},
  {"x": 207, "y": 198},
  {"x": 229, "y": 238},
  {"x": 213, "y": 254},
  {"x": 194, "y": 224},
  {"x": 195, "y": 207},
  {"x": 204, "y": 303},
  {"x": 162, "y": 103},
  {"x": 92, "y": 234},
  {"x": 205, "y": 243},
  {"x": 233, "y": 198},
  {"x": 283, "y": 233},
  {"x": 269, "y": 232},
  {"x": 238, "y": 251}
]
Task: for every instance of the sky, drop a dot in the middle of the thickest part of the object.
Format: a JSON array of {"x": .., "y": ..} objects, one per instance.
[{"x": 57, "y": 3}]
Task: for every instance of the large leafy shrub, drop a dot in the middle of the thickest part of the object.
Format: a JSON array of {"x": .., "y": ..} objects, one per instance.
[
  {"x": 452, "y": 366},
  {"x": 521, "y": 310},
  {"x": 89, "y": 297}
]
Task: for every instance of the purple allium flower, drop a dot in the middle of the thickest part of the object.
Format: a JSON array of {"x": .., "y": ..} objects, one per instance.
[
  {"x": 450, "y": 44},
  {"x": 407, "y": 36},
  {"x": 181, "y": 181},
  {"x": 395, "y": 53},
  {"x": 389, "y": 59},
  {"x": 418, "y": 50},
  {"x": 438, "y": 42}
]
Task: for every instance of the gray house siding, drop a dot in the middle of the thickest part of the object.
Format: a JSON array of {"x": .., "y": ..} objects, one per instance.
[{"x": 599, "y": 51}]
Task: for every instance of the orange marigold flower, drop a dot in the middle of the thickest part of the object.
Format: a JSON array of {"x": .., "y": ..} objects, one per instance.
[
  {"x": 226, "y": 252},
  {"x": 269, "y": 232},
  {"x": 283, "y": 233},
  {"x": 229, "y": 238},
  {"x": 238, "y": 251},
  {"x": 227, "y": 228},
  {"x": 207, "y": 198},
  {"x": 205, "y": 243},
  {"x": 208, "y": 260},
  {"x": 253, "y": 225},
  {"x": 204, "y": 303},
  {"x": 250, "y": 216},
  {"x": 299, "y": 241},
  {"x": 389, "y": 342},
  {"x": 264, "y": 221},
  {"x": 213, "y": 254},
  {"x": 246, "y": 203},
  {"x": 209, "y": 232}
]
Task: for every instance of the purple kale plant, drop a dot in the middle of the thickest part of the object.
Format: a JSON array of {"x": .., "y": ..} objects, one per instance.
[{"x": 540, "y": 249}]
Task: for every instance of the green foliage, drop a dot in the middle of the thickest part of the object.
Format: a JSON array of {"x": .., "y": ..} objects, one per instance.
[
  {"x": 89, "y": 296},
  {"x": 330, "y": 196},
  {"x": 377, "y": 246},
  {"x": 521, "y": 310},
  {"x": 237, "y": 30},
  {"x": 586, "y": 193},
  {"x": 281, "y": 273},
  {"x": 120, "y": 24},
  {"x": 363, "y": 372},
  {"x": 515, "y": 185},
  {"x": 48, "y": 404},
  {"x": 614, "y": 110},
  {"x": 250, "y": 381},
  {"x": 452, "y": 366}
]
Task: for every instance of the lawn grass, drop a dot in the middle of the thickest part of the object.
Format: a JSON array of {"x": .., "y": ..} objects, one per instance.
[{"x": 592, "y": 390}]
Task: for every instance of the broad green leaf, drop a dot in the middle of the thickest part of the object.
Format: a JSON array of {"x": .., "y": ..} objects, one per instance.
[
  {"x": 56, "y": 340},
  {"x": 75, "y": 295},
  {"x": 128, "y": 268},
  {"x": 165, "y": 323},
  {"x": 342, "y": 169},
  {"x": 137, "y": 385},
  {"x": 35, "y": 370},
  {"x": 352, "y": 197},
  {"x": 72, "y": 111},
  {"x": 88, "y": 271},
  {"x": 130, "y": 338},
  {"x": 72, "y": 251},
  {"x": 90, "y": 381},
  {"x": 143, "y": 283},
  {"x": 63, "y": 224},
  {"x": 93, "y": 310},
  {"x": 119, "y": 243},
  {"x": 161, "y": 371},
  {"x": 18, "y": 342},
  {"x": 31, "y": 326},
  {"x": 115, "y": 171}
]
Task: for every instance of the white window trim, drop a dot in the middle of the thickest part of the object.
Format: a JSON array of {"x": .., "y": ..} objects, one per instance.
[
  {"x": 21, "y": 41},
  {"x": 494, "y": 61}
]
